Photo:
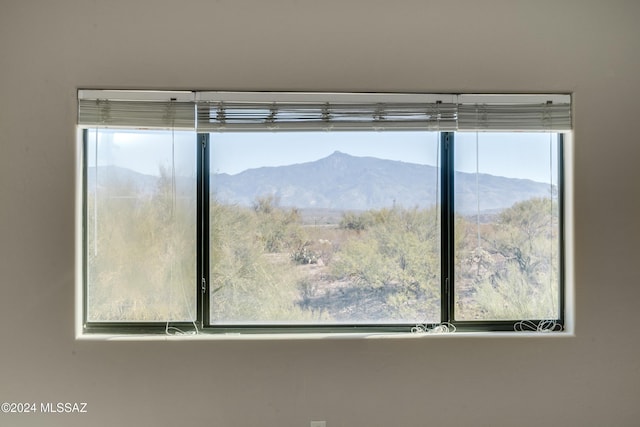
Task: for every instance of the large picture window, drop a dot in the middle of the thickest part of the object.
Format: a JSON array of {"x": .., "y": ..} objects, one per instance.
[
  {"x": 210, "y": 212},
  {"x": 336, "y": 227}
]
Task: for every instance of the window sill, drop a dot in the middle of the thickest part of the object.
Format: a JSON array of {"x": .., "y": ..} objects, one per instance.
[{"x": 318, "y": 336}]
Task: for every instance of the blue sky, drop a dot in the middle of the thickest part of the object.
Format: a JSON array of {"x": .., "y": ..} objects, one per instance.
[
  {"x": 515, "y": 155},
  {"x": 527, "y": 154},
  {"x": 241, "y": 151}
]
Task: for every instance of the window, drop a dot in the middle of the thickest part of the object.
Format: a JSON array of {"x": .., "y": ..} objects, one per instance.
[
  {"x": 140, "y": 225},
  {"x": 347, "y": 226},
  {"x": 507, "y": 227},
  {"x": 276, "y": 212}
]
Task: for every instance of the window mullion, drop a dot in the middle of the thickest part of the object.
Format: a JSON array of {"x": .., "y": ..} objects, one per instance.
[
  {"x": 202, "y": 284},
  {"x": 561, "y": 229},
  {"x": 447, "y": 226}
]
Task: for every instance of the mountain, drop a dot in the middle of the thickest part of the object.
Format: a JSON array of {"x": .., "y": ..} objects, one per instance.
[
  {"x": 338, "y": 182},
  {"x": 344, "y": 182},
  {"x": 124, "y": 182}
]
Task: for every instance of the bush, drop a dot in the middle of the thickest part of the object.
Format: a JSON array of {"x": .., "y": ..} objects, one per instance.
[
  {"x": 247, "y": 285},
  {"x": 514, "y": 274},
  {"x": 353, "y": 221},
  {"x": 400, "y": 249}
]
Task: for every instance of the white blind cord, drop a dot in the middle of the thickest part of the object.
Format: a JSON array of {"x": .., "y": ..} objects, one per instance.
[
  {"x": 95, "y": 200},
  {"x": 172, "y": 330},
  {"x": 478, "y": 192},
  {"x": 551, "y": 197}
]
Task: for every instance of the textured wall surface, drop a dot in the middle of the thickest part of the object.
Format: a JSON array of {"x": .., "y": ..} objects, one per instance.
[{"x": 49, "y": 49}]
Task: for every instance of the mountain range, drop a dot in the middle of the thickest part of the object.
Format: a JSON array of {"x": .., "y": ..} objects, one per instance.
[
  {"x": 341, "y": 182},
  {"x": 345, "y": 182}
]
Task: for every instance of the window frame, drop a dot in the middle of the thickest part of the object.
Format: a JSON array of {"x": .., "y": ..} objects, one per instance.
[
  {"x": 509, "y": 325},
  {"x": 128, "y": 327},
  {"x": 202, "y": 322}
]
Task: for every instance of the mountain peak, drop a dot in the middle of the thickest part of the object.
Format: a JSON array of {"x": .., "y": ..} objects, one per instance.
[
  {"x": 346, "y": 182},
  {"x": 337, "y": 160},
  {"x": 339, "y": 154}
]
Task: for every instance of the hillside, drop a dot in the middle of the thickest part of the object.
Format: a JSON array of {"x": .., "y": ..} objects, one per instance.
[
  {"x": 340, "y": 182},
  {"x": 344, "y": 182}
]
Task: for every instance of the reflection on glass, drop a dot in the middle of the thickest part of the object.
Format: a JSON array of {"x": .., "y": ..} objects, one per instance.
[
  {"x": 140, "y": 225},
  {"x": 328, "y": 227}
]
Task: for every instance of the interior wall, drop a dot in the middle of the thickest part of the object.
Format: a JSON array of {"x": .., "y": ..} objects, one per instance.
[{"x": 49, "y": 49}]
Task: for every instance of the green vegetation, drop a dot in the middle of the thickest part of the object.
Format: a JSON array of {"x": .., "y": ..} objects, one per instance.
[
  {"x": 268, "y": 266},
  {"x": 397, "y": 250},
  {"x": 514, "y": 271},
  {"x": 249, "y": 282},
  {"x": 140, "y": 254}
]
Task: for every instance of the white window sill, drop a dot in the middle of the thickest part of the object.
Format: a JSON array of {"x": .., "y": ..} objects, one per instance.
[{"x": 317, "y": 336}]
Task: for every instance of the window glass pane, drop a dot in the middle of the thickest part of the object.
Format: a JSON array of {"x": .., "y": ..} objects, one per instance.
[
  {"x": 507, "y": 226},
  {"x": 324, "y": 227},
  {"x": 141, "y": 225}
]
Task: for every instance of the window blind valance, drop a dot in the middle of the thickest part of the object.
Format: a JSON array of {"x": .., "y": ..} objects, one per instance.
[
  {"x": 138, "y": 109},
  {"x": 287, "y": 116},
  {"x": 247, "y": 111},
  {"x": 514, "y": 112}
]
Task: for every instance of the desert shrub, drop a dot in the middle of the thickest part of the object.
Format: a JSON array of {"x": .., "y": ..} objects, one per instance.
[
  {"x": 278, "y": 229},
  {"x": 246, "y": 285},
  {"x": 512, "y": 294},
  {"x": 140, "y": 253},
  {"x": 513, "y": 273},
  {"x": 354, "y": 221},
  {"x": 400, "y": 249},
  {"x": 303, "y": 254}
]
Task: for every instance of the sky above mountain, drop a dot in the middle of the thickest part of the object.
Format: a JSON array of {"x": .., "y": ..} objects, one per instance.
[{"x": 514, "y": 155}]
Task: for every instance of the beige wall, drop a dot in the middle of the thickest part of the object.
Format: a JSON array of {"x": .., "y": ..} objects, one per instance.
[{"x": 50, "y": 48}]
